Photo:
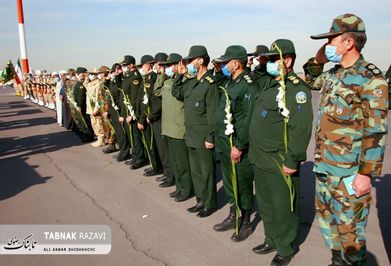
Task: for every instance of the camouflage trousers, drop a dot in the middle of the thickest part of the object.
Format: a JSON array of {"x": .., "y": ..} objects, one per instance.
[{"x": 342, "y": 218}]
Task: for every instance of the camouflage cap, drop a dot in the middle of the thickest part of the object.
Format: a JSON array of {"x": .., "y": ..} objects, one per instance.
[
  {"x": 103, "y": 69},
  {"x": 341, "y": 24},
  {"x": 232, "y": 52},
  {"x": 172, "y": 59},
  {"x": 196, "y": 51},
  {"x": 286, "y": 47},
  {"x": 312, "y": 67}
]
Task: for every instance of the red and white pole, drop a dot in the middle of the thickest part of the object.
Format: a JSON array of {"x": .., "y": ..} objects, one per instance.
[{"x": 22, "y": 38}]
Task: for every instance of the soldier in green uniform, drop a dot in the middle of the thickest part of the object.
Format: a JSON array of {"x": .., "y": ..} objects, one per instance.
[
  {"x": 79, "y": 96},
  {"x": 130, "y": 112},
  {"x": 196, "y": 88},
  {"x": 351, "y": 136},
  {"x": 113, "y": 96},
  {"x": 155, "y": 119},
  {"x": 259, "y": 61},
  {"x": 173, "y": 129},
  {"x": 280, "y": 130},
  {"x": 232, "y": 140},
  {"x": 149, "y": 79}
]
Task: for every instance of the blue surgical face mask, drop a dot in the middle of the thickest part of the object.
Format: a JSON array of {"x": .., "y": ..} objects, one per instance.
[
  {"x": 191, "y": 69},
  {"x": 225, "y": 71},
  {"x": 169, "y": 71},
  {"x": 272, "y": 68},
  {"x": 331, "y": 54}
]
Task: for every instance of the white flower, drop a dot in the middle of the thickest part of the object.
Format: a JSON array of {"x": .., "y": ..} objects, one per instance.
[
  {"x": 229, "y": 119},
  {"x": 229, "y": 129},
  {"x": 280, "y": 99},
  {"x": 285, "y": 112},
  {"x": 145, "y": 99},
  {"x": 116, "y": 107}
]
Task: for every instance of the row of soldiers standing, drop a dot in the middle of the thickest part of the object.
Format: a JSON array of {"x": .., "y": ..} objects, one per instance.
[{"x": 180, "y": 116}]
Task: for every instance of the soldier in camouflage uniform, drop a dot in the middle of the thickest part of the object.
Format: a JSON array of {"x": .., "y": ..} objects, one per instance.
[
  {"x": 351, "y": 137},
  {"x": 388, "y": 77}
]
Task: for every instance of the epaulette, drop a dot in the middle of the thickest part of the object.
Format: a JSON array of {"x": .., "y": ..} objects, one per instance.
[
  {"x": 294, "y": 79},
  {"x": 248, "y": 79},
  {"x": 188, "y": 76},
  {"x": 209, "y": 79},
  {"x": 371, "y": 67}
]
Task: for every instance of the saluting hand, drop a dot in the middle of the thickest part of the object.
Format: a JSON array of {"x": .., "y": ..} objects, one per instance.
[
  {"x": 288, "y": 171},
  {"x": 362, "y": 185},
  {"x": 182, "y": 69},
  {"x": 320, "y": 55}
]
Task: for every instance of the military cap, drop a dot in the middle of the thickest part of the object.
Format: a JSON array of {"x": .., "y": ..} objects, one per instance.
[
  {"x": 312, "y": 67},
  {"x": 286, "y": 47},
  {"x": 172, "y": 59},
  {"x": 128, "y": 59},
  {"x": 81, "y": 70},
  {"x": 94, "y": 70},
  {"x": 71, "y": 70},
  {"x": 341, "y": 24},
  {"x": 103, "y": 69},
  {"x": 115, "y": 66},
  {"x": 196, "y": 51},
  {"x": 233, "y": 52},
  {"x": 146, "y": 59},
  {"x": 260, "y": 49},
  {"x": 62, "y": 72},
  {"x": 159, "y": 57}
]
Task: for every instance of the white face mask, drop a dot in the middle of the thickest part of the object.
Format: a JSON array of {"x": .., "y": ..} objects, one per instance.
[
  {"x": 100, "y": 76},
  {"x": 124, "y": 69},
  {"x": 155, "y": 68},
  {"x": 91, "y": 77},
  {"x": 142, "y": 73},
  {"x": 112, "y": 75}
]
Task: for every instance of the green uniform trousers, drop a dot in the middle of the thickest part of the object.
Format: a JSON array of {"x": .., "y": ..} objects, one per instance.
[
  {"x": 244, "y": 176},
  {"x": 120, "y": 135},
  {"x": 162, "y": 147},
  {"x": 151, "y": 146},
  {"x": 179, "y": 161},
  {"x": 138, "y": 152},
  {"x": 202, "y": 168},
  {"x": 280, "y": 224}
]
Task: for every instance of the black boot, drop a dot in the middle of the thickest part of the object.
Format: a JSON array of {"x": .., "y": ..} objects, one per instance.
[
  {"x": 245, "y": 229},
  {"x": 110, "y": 149},
  {"x": 229, "y": 222},
  {"x": 336, "y": 259}
]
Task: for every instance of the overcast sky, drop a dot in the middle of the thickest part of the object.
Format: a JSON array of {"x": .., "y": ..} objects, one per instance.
[{"x": 90, "y": 33}]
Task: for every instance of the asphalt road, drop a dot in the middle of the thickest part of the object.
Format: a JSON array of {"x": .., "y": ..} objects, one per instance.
[{"x": 47, "y": 176}]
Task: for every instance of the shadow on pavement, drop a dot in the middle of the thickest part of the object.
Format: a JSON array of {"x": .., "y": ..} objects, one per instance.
[{"x": 383, "y": 205}]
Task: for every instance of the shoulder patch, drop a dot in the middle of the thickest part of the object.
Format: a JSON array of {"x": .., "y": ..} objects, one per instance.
[
  {"x": 372, "y": 68},
  {"x": 301, "y": 97}
]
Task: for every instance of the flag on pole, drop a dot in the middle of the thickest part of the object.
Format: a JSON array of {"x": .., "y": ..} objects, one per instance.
[
  {"x": 6, "y": 74},
  {"x": 18, "y": 72}
]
